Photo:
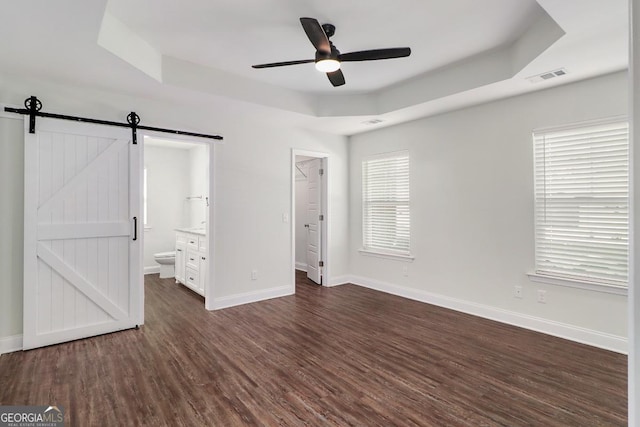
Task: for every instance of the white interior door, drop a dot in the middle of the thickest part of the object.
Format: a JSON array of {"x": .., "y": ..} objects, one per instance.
[
  {"x": 82, "y": 267},
  {"x": 314, "y": 191}
]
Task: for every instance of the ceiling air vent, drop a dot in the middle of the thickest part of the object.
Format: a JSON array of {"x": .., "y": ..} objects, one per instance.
[{"x": 548, "y": 75}]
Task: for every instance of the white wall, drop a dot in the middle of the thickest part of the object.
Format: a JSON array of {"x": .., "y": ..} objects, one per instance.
[
  {"x": 301, "y": 216},
  {"x": 253, "y": 192},
  {"x": 633, "y": 390},
  {"x": 198, "y": 184},
  {"x": 472, "y": 207},
  {"x": 11, "y": 225},
  {"x": 252, "y": 174},
  {"x": 167, "y": 208}
]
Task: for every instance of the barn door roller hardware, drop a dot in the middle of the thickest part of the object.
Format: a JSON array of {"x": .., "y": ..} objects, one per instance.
[{"x": 33, "y": 106}]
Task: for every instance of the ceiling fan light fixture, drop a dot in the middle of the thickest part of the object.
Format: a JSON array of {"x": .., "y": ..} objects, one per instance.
[{"x": 328, "y": 65}]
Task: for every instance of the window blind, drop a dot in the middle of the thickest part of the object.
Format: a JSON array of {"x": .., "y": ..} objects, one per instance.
[
  {"x": 582, "y": 202},
  {"x": 385, "y": 200}
]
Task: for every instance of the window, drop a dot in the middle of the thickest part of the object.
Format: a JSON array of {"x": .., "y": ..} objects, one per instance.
[
  {"x": 582, "y": 203},
  {"x": 385, "y": 204}
]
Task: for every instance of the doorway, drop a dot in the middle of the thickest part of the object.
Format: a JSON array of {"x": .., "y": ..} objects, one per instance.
[
  {"x": 309, "y": 218},
  {"x": 176, "y": 212}
]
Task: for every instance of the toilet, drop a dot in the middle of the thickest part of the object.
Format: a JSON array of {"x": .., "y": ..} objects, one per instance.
[{"x": 167, "y": 261}]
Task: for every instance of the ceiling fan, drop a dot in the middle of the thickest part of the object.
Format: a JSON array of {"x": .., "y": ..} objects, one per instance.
[{"x": 328, "y": 57}]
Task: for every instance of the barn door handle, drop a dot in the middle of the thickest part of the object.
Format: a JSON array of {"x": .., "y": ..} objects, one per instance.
[{"x": 135, "y": 228}]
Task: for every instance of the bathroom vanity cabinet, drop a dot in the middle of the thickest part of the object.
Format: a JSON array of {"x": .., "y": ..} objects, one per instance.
[{"x": 191, "y": 259}]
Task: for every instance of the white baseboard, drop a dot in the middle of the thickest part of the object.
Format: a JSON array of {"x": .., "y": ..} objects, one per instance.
[
  {"x": 562, "y": 330},
  {"x": 249, "y": 297},
  {"x": 10, "y": 344},
  {"x": 154, "y": 269},
  {"x": 574, "y": 333},
  {"x": 338, "y": 280},
  {"x": 302, "y": 266}
]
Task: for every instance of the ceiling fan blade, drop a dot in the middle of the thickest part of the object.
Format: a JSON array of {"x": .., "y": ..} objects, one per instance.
[
  {"x": 316, "y": 34},
  {"x": 336, "y": 78},
  {"x": 375, "y": 54},
  {"x": 282, "y": 64}
]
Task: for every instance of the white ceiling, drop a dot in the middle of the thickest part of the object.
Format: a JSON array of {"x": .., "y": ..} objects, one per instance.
[
  {"x": 231, "y": 35},
  {"x": 464, "y": 52}
]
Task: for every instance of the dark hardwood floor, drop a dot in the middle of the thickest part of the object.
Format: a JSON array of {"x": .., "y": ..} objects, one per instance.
[{"x": 326, "y": 356}]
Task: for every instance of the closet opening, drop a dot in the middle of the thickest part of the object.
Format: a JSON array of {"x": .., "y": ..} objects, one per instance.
[{"x": 310, "y": 174}]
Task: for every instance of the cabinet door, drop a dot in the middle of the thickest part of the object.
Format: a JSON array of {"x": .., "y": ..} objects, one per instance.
[
  {"x": 180, "y": 262},
  {"x": 203, "y": 273}
]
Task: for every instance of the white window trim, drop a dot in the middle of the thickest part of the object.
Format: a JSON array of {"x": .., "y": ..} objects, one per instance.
[
  {"x": 387, "y": 255},
  {"x": 558, "y": 280},
  {"x": 578, "y": 284},
  {"x": 584, "y": 123}
]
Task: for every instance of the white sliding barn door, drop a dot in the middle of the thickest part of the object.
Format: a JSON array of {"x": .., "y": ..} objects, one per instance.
[
  {"x": 82, "y": 269},
  {"x": 314, "y": 254}
]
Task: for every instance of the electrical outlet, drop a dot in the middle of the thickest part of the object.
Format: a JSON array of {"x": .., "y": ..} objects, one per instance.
[
  {"x": 285, "y": 217},
  {"x": 254, "y": 274},
  {"x": 405, "y": 271},
  {"x": 517, "y": 292},
  {"x": 542, "y": 296}
]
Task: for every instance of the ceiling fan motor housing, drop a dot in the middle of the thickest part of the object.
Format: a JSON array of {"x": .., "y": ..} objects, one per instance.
[{"x": 329, "y": 29}]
